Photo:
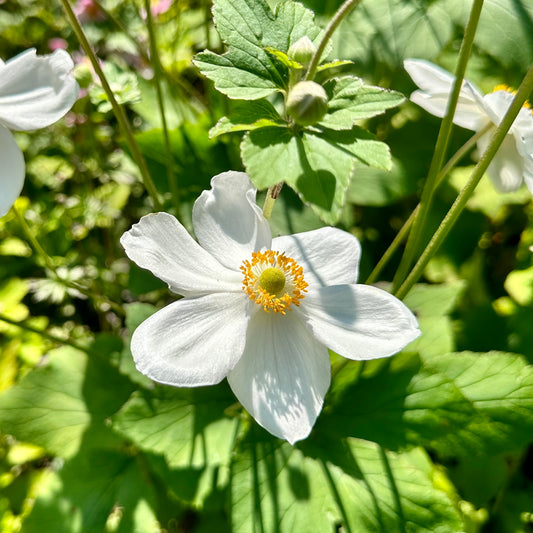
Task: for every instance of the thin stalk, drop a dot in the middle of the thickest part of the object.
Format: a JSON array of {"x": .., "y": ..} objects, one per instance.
[
  {"x": 415, "y": 236},
  {"x": 46, "y": 335},
  {"x": 402, "y": 234},
  {"x": 117, "y": 109},
  {"x": 272, "y": 194},
  {"x": 460, "y": 202},
  {"x": 330, "y": 28},
  {"x": 171, "y": 178}
]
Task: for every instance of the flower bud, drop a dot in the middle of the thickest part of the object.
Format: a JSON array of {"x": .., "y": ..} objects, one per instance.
[
  {"x": 302, "y": 51},
  {"x": 307, "y": 103}
]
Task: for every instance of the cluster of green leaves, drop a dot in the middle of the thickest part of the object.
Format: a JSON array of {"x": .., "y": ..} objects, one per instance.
[
  {"x": 434, "y": 439},
  {"x": 318, "y": 160}
]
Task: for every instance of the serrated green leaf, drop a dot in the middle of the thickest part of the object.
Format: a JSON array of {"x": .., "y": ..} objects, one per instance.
[
  {"x": 54, "y": 404},
  {"x": 315, "y": 163},
  {"x": 354, "y": 485},
  {"x": 349, "y": 100},
  {"x": 248, "y": 27},
  {"x": 249, "y": 116}
]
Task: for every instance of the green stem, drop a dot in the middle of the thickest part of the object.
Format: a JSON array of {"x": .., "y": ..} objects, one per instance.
[
  {"x": 23, "y": 325},
  {"x": 451, "y": 217},
  {"x": 415, "y": 236},
  {"x": 402, "y": 234},
  {"x": 272, "y": 194},
  {"x": 331, "y": 27},
  {"x": 117, "y": 109},
  {"x": 171, "y": 178}
]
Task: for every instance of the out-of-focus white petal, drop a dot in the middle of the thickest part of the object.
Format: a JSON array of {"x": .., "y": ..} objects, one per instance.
[
  {"x": 227, "y": 221},
  {"x": 12, "y": 170},
  {"x": 283, "y": 375},
  {"x": 329, "y": 256},
  {"x": 36, "y": 91},
  {"x": 159, "y": 243},
  {"x": 359, "y": 321},
  {"x": 194, "y": 341},
  {"x": 436, "y": 84},
  {"x": 508, "y": 166}
]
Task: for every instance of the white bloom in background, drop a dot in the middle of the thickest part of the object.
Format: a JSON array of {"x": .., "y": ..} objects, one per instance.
[
  {"x": 513, "y": 162},
  {"x": 34, "y": 93},
  {"x": 260, "y": 311}
]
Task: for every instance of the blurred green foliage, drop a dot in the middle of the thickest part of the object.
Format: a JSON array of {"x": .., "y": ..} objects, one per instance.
[{"x": 434, "y": 439}]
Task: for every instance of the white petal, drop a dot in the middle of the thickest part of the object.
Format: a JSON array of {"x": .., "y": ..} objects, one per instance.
[
  {"x": 329, "y": 256},
  {"x": 227, "y": 221},
  {"x": 507, "y": 169},
  {"x": 36, "y": 91},
  {"x": 436, "y": 84},
  {"x": 194, "y": 341},
  {"x": 359, "y": 321},
  {"x": 159, "y": 243},
  {"x": 12, "y": 171},
  {"x": 283, "y": 375}
]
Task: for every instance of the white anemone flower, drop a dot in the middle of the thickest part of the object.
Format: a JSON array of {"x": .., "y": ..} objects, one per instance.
[
  {"x": 34, "y": 93},
  {"x": 260, "y": 311},
  {"x": 513, "y": 163}
]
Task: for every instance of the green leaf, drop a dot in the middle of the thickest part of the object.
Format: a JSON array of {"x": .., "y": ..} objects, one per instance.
[
  {"x": 432, "y": 305},
  {"x": 248, "y": 27},
  {"x": 315, "y": 163},
  {"x": 389, "y": 31},
  {"x": 187, "y": 426},
  {"x": 350, "y": 100},
  {"x": 245, "y": 117},
  {"x": 91, "y": 487},
  {"x": 353, "y": 485},
  {"x": 509, "y": 20},
  {"x": 500, "y": 387},
  {"x": 55, "y": 404}
]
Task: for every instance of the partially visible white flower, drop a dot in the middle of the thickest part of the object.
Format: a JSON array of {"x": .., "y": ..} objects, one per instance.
[
  {"x": 34, "y": 93},
  {"x": 513, "y": 162},
  {"x": 260, "y": 311}
]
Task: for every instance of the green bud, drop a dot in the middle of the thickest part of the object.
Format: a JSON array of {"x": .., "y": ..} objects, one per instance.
[
  {"x": 307, "y": 103},
  {"x": 83, "y": 75},
  {"x": 302, "y": 51}
]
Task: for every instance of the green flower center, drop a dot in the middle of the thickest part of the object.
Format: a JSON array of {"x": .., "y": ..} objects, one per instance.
[{"x": 272, "y": 280}]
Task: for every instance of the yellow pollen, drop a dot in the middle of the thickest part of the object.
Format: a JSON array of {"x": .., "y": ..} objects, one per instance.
[
  {"x": 507, "y": 89},
  {"x": 273, "y": 280}
]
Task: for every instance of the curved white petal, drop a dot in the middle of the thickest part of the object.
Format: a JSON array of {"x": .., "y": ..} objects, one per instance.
[
  {"x": 36, "y": 91},
  {"x": 329, "y": 256},
  {"x": 12, "y": 171},
  {"x": 508, "y": 167},
  {"x": 159, "y": 243},
  {"x": 227, "y": 221},
  {"x": 436, "y": 84},
  {"x": 359, "y": 321},
  {"x": 283, "y": 375},
  {"x": 194, "y": 341}
]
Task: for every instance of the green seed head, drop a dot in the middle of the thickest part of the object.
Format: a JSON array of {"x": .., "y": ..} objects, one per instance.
[
  {"x": 307, "y": 103},
  {"x": 272, "y": 280}
]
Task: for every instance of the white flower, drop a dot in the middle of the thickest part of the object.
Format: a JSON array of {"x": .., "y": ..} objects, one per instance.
[
  {"x": 513, "y": 162},
  {"x": 34, "y": 93},
  {"x": 260, "y": 311}
]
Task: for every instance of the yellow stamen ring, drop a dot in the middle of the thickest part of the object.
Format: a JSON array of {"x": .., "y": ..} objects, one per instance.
[{"x": 273, "y": 280}]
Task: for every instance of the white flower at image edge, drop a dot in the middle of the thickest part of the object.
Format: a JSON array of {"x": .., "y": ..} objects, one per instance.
[
  {"x": 34, "y": 93},
  {"x": 260, "y": 311},
  {"x": 513, "y": 163}
]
